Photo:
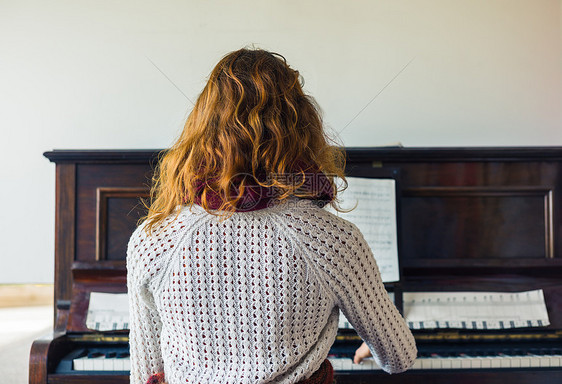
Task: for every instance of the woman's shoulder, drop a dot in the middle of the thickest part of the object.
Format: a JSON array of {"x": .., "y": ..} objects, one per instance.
[
  {"x": 310, "y": 213},
  {"x": 321, "y": 222},
  {"x": 149, "y": 246}
]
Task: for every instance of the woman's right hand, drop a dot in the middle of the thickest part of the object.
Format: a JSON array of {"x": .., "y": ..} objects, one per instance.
[{"x": 362, "y": 352}]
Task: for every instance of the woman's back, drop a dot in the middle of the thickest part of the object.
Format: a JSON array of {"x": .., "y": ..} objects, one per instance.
[
  {"x": 243, "y": 283},
  {"x": 254, "y": 298}
]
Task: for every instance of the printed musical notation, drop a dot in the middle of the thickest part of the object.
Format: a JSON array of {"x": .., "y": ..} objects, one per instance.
[
  {"x": 108, "y": 311},
  {"x": 374, "y": 201},
  {"x": 475, "y": 310}
]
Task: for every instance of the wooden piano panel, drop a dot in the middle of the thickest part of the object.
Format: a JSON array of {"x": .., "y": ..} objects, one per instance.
[
  {"x": 118, "y": 213},
  {"x": 477, "y": 223},
  {"x": 97, "y": 186},
  {"x": 497, "y": 211}
]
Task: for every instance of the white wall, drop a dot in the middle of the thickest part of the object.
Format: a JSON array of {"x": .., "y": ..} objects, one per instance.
[{"x": 80, "y": 74}]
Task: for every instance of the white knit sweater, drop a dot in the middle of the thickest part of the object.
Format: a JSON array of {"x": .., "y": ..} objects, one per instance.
[{"x": 254, "y": 298}]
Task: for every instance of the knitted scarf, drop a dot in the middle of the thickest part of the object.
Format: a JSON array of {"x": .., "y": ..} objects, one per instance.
[{"x": 257, "y": 197}]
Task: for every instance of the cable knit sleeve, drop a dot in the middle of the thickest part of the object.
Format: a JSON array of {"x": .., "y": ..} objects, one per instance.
[
  {"x": 346, "y": 262},
  {"x": 144, "y": 322}
]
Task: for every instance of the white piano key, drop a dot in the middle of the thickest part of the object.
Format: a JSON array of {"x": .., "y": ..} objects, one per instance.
[
  {"x": 118, "y": 364},
  {"x": 486, "y": 362},
  {"x": 417, "y": 364},
  {"x": 456, "y": 363},
  {"x": 525, "y": 362},
  {"x": 88, "y": 364},
  {"x": 98, "y": 363},
  {"x": 425, "y": 363},
  {"x": 78, "y": 364},
  {"x": 466, "y": 363},
  {"x": 505, "y": 362},
  {"x": 108, "y": 363},
  {"x": 515, "y": 362},
  {"x": 476, "y": 363},
  {"x": 545, "y": 361},
  {"x": 436, "y": 363},
  {"x": 535, "y": 361},
  {"x": 446, "y": 363},
  {"x": 495, "y": 362}
]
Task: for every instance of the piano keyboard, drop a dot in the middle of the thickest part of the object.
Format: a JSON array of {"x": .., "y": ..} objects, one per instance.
[
  {"x": 102, "y": 361},
  {"x": 107, "y": 360},
  {"x": 84, "y": 360},
  {"x": 545, "y": 359}
]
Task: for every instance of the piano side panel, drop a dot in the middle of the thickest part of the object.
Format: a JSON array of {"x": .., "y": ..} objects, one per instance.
[
  {"x": 65, "y": 220},
  {"x": 44, "y": 356}
]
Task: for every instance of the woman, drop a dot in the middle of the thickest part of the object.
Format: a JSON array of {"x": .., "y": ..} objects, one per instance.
[{"x": 237, "y": 273}]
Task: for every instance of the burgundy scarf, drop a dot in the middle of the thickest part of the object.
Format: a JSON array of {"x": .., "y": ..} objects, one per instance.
[{"x": 257, "y": 197}]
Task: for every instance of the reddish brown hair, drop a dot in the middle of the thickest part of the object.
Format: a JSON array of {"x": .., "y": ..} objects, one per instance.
[{"x": 252, "y": 118}]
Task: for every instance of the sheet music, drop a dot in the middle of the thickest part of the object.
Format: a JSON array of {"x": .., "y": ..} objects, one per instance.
[
  {"x": 475, "y": 310},
  {"x": 108, "y": 311},
  {"x": 375, "y": 216}
]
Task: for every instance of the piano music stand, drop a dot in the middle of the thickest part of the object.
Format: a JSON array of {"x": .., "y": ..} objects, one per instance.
[{"x": 376, "y": 171}]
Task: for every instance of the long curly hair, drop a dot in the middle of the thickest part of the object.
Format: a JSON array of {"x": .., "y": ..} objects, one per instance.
[{"x": 251, "y": 125}]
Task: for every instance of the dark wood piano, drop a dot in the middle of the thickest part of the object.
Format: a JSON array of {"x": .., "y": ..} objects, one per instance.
[{"x": 472, "y": 219}]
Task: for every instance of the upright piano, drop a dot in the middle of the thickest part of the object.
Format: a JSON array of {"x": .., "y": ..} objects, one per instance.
[{"x": 471, "y": 219}]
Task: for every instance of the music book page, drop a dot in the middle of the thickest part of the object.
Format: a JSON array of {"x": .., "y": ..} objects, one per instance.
[
  {"x": 475, "y": 310},
  {"x": 375, "y": 216},
  {"x": 108, "y": 311}
]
